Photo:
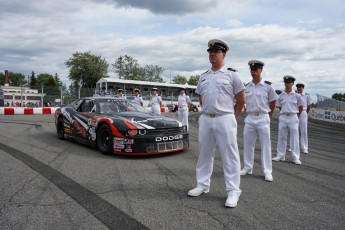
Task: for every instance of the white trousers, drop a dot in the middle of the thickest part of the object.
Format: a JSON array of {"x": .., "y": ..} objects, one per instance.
[
  {"x": 288, "y": 124},
  {"x": 219, "y": 131},
  {"x": 156, "y": 109},
  {"x": 182, "y": 115},
  {"x": 257, "y": 126},
  {"x": 303, "y": 127}
]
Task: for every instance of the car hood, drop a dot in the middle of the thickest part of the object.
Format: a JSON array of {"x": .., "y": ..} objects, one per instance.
[{"x": 147, "y": 120}]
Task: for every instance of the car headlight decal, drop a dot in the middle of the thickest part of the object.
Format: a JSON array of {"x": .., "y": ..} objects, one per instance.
[
  {"x": 142, "y": 131},
  {"x": 132, "y": 132}
]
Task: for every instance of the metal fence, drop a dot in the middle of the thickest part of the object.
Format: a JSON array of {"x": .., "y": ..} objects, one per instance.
[{"x": 328, "y": 103}]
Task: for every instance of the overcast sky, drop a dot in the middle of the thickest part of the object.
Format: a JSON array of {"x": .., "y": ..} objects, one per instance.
[{"x": 302, "y": 38}]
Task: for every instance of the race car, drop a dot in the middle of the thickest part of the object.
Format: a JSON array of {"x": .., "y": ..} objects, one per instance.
[{"x": 119, "y": 126}]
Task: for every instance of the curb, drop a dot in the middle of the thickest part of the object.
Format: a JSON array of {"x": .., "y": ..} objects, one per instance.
[{"x": 27, "y": 111}]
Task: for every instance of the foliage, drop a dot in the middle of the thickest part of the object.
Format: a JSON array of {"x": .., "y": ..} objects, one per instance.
[
  {"x": 339, "y": 96},
  {"x": 128, "y": 68},
  {"x": 15, "y": 79},
  {"x": 179, "y": 80},
  {"x": 86, "y": 69},
  {"x": 193, "y": 80}
]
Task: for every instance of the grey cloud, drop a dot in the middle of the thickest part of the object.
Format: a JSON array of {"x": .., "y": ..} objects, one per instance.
[{"x": 176, "y": 7}]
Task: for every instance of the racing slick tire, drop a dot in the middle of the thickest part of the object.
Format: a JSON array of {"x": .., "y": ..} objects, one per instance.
[
  {"x": 60, "y": 129},
  {"x": 105, "y": 140}
]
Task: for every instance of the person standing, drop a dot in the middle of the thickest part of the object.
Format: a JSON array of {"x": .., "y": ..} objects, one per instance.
[
  {"x": 120, "y": 94},
  {"x": 290, "y": 104},
  {"x": 303, "y": 118},
  {"x": 156, "y": 102},
  {"x": 219, "y": 89},
  {"x": 137, "y": 98},
  {"x": 183, "y": 102},
  {"x": 260, "y": 104}
]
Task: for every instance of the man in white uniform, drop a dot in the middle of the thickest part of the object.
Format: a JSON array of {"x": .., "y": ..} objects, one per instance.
[
  {"x": 290, "y": 104},
  {"x": 303, "y": 118},
  {"x": 183, "y": 107},
  {"x": 260, "y": 104},
  {"x": 120, "y": 94},
  {"x": 137, "y": 98},
  {"x": 156, "y": 102},
  {"x": 218, "y": 89}
]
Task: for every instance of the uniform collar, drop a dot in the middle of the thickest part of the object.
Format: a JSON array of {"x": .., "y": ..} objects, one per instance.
[
  {"x": 223, "y": 69},
  {"x": 262, "y": 82}
]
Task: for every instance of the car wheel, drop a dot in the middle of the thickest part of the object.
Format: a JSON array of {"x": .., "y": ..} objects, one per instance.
[
  {"x": 60, "y": 129},
  {"x": 105, "y": 140}
]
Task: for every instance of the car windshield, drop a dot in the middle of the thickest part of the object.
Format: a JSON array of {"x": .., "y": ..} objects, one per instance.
[{"x": 110, "y": 106}]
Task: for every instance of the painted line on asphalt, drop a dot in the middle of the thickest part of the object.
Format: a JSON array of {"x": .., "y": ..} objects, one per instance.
[{"x": 104, "y": 211}]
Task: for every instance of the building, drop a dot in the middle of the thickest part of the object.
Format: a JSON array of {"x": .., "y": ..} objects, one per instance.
[
  {"x": 20, "y": 96},
  {"x": 168, "y": 92}
]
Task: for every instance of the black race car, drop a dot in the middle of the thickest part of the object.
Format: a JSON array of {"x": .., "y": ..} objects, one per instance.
[{"x": 119, "y": 126}]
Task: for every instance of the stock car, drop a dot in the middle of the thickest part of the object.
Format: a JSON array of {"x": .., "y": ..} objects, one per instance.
[{"x": 119, "y": 126}]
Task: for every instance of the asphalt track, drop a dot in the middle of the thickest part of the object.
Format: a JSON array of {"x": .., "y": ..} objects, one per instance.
[{"x": 47, "y": 183}]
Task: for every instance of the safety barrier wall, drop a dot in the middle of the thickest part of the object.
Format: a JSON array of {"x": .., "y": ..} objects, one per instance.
[{"x": 337, "y": 117}]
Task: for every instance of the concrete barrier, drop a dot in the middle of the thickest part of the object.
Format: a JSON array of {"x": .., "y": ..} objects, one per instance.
[{"x": 27, "y": 111}]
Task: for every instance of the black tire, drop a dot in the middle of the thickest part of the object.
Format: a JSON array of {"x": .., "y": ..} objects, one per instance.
[
  {"x": 60, "y": 129},
  {"x": 105, "y": 140}
]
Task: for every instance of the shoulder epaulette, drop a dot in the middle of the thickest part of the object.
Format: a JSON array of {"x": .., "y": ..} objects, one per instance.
[
  {"x": 268, "y": 82},
  {"x": 246, "y": 84},
  {"x": 307, "y": 93},
  {"x": 205, "y": 72},
  {"x": 231, "y": 69}
]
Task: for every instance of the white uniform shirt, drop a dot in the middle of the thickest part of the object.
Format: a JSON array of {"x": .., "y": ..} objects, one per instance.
[
  {"x": 138, "y": 99},
  {"x": 258, "y": 97},
  {"x": 155, "y": 100},
  {"x": 306, "y": 100},
  {"x": 217, "y": 90},
  {"x": 183, "y": 100},
  {"x": 289, "y": 103}
]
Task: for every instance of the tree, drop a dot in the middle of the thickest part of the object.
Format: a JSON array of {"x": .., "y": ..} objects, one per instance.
[
  {"x": 179, "y": 80},
  {"x": 127, "y": 67},
  {"x": 14, "y": 79},
  {"x": 193, "y": 80},
  {"x": 86, "y": 69},
  {"x": 153, "y": 72},
  {"x": 339, "y": 96},
  {"x": 47, "y": 80},
  {"x": 33, "y": 80}
]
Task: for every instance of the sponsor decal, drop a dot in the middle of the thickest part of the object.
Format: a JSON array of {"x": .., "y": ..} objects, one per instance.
[
  {"x": 119, "y": 139},
  {"x": 67, "y": 131},
  {"x": 169, "y": 138},
  {"x": 129, "y": 149},
  {"x": 119, "y": 146},
  {"x": 129, "y": 141},
  {"x": 118, "y": 150}
]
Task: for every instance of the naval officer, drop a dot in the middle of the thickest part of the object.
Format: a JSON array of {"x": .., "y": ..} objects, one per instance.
[
  {"x": 183, "y": 102},
  {"x": 137, "y": 98},
  {"x": 260, "y": 104},
  {"x": 156, "y": 102},
  {"x": 290, "y": 104},
  {"x": 219, "y": 89}
]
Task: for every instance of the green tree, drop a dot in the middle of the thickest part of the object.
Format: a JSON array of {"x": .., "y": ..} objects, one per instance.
[
  {"x": 127, "y": 68},
  {"x": 46, "y": 80},
  {"x": 179, "y": 80},
  {"x": 153, "y": 73},
  {"x": 193, "y": 80},
  {"x": 33, "y": 80},
  {"x": 2, "y": 78},
  {"x": 339, "y": 96},
  {"x": 15, "y": 79},
  {"x": 86, "y": 69}
]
